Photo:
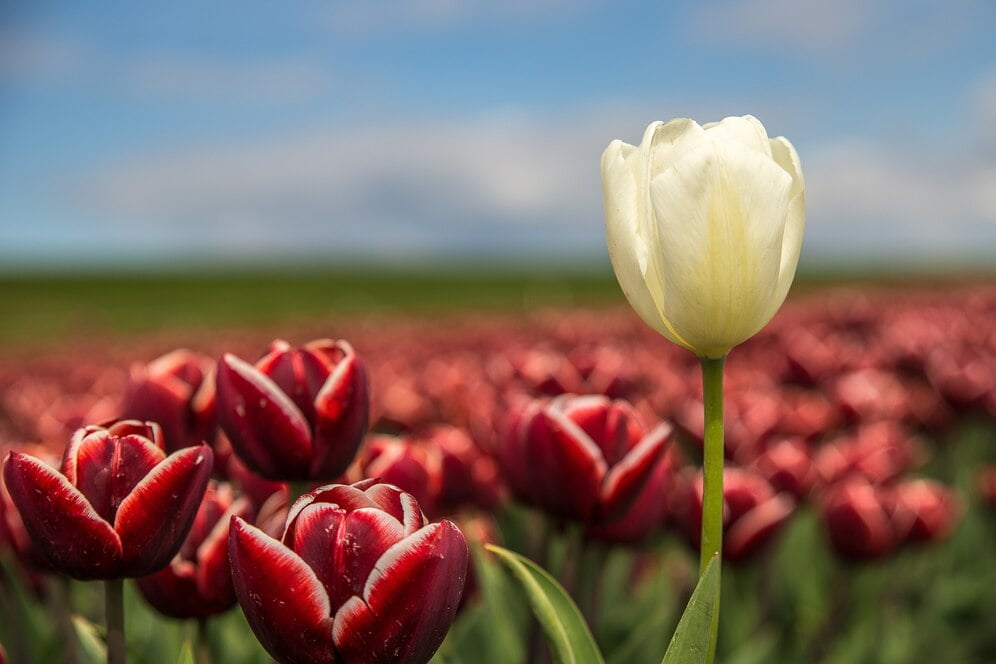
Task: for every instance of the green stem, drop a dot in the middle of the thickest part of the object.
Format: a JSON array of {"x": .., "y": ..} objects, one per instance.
[
  {"x": 115, "y": 620},
  {"x": 62, "y": 607},
  {"x": 712, "y": 474},
  {"x": 202, "y": 644}
]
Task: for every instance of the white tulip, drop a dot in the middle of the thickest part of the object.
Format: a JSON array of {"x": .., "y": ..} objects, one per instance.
[{"x": 704, "y": 226}]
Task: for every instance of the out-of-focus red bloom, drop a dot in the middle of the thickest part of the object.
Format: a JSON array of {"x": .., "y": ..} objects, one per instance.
[
  {"x": 119, "y": 507},
  {"x": 648, "y": 513},
  {"x": 358, "y": 576},
  {"x": 930, "y": 508},
  {"x": 788, "y": 466},
  {"x": 177, "y": 392},
  {"x": 878, "y": 452},
  {"x": 869, "y": 395},
  {"x": 299, "y": 414},
  {"x": 805, "y": 413},
  {"x": 441, "y": 467},
  {"x": 585, "y": 458},
  {"x": 198, "y": 581},
  {"x": 964, "y": 373},
  {"x": 987, "y": 485},
  {"x": 858, "y": 517},
  {"x": 753, "y": 512}
]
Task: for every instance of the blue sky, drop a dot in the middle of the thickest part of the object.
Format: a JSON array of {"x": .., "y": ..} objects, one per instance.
[{"x": 151, "y": 132}]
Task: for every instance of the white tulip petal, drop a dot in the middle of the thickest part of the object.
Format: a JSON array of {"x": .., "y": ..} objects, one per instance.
[
  {"x": 795, "y": 222},
  {"x": 627, "y": 250},
  {"x": 746, "y": 130},
  {"x": 720, "y": 212}
]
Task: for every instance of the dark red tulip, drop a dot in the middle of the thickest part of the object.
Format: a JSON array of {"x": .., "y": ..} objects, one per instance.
[
  {"x": 753, "y": 512},
  {"x": 442, "y": 468},
  {"x": 299, "y": 414},
  {"x": 119, "y": 507},
  {"x": 358, "y": 576},
  {"x": 198, "y": 581},
  {"x": 584, "y": 458},
  {"x": 858, "y": 518},
  {"x": 177, "y": 392},
  {"x": 647, "y": 515}
]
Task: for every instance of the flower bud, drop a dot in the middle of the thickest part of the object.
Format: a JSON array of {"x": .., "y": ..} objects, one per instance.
[
  {"x": 177, "y": 392},
  {"x": 582, "y": 458},
  {"x": 197, "y": 583},
  {"x": 298, "y": 414},
  {"x": 704, "y": 225},
  {"x": 358, "y": 576},
  {"x": 119, "y": 507}
]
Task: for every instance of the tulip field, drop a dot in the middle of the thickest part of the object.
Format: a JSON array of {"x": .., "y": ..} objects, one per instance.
[{"x": 299, "y": 472}]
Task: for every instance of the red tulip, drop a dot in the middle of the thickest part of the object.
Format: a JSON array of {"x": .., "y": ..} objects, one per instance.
[
  {"x": 647, "y": 515},
  {"x": 177, "y": 392},
  {"x": 442, "y": 468},
  {"x": 198, "y": 581},
  {"x": 753, "y": 512},
  {"x": 878, "y": 452},
  {"x": 119, "y": 508},
  {"x": 859, "y": 520},
  {"x": 298, "y": 414},
  {"x": 357, "y": 577},
  {"x": 788, "y": 466},
  {"x": 583, "y": 458},
  {"x": 930, "y": 508}
]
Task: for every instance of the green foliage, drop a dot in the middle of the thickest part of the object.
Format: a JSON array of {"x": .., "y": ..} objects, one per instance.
[
  {"x": 566, "y": 630},
  {"x": 690, "y": 642}
]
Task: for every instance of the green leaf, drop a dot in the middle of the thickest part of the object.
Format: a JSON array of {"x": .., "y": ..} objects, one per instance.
[
  {"x": 690, "y": 642},
  {"x": 570, "y": 639},
  {"x": 91, "y": 644},
  {"x": 186, "y": 654}
]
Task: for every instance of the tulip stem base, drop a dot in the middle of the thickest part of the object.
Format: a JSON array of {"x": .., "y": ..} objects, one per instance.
[
  {"x": 202, "y": 643},
  {"x": 115, "y": 620},
  {"x": 712, "y": 474}
]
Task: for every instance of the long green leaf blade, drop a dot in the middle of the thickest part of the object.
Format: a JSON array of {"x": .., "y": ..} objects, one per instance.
[
  {"x": 690, "y": 642},
  {"x": 570, "y": 639}
]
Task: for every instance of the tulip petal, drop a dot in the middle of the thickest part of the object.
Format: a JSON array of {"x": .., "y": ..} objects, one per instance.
[
  {"x": 363, "y": 538},
  {"x": 755, "y": 528},
  {"x": 795, "y": 221},
  {"x": 567, "y": 467},
  {"x": 155, "y": 518},
  {"x": 720, "y": 213},
  {"x": 315, "y": 534},
  {"x": 400, "y": 504},
  {"x": 746, "y": 130},
  {"x": 214, "y": 575},
  {"x": 409, "y": 601},
  {"x": 284, "y": 602},
  {"x": 627, "y": 248},
  {"x": 269, "y": 432},
  {"x": 109, "y": 467},
  {"x": 163, "y": 399},
  {"x": 342, "y": 412},
  {"x": 626, "y": 479},
  {"x": 63, "y": 526}
]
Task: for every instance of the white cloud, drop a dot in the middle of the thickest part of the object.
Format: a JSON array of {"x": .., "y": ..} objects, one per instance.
[{"x": 515, "y": 181}]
